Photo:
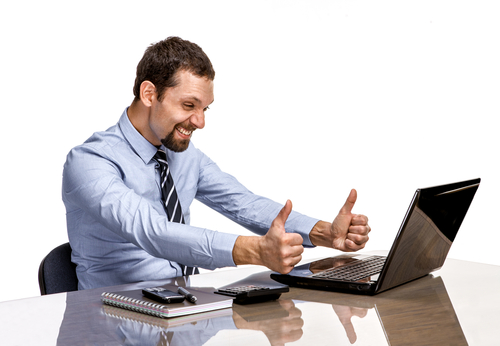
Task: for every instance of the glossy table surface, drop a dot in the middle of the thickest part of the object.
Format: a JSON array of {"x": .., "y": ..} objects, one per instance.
[{"x": 445, "y": 308}]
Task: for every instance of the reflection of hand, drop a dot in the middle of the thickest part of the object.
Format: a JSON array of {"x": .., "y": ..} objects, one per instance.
[
  {"x": 327, "y": 263},
  {"x": 345, "y": 313},
  {"x": 278, "y": 330}
]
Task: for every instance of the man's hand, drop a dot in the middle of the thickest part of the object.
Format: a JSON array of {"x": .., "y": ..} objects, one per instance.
[
  {"x": 348, "y": 232},
  {"x": 277, "y": 250},
  {"x": 281, "y": 251}
]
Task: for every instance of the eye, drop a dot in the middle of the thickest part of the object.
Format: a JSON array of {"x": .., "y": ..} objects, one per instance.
[
  {"x": 206, "y": 109},
  {"x": 189, "y": 105}
]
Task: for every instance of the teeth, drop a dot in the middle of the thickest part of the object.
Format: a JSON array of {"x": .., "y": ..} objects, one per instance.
[{"x": 184, "y": 131}]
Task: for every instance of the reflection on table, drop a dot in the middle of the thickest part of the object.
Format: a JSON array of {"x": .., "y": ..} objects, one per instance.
[
  {"x": 418, "y": 313},
  {"x": 401, "y": 316}
]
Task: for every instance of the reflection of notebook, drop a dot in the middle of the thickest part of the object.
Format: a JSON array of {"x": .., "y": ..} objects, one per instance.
[
  {"x": 421, "y": 245},
  {"x": 128, "y": 315}
]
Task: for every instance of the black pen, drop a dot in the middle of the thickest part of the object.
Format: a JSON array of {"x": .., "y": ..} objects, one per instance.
[{"x": 186, "y": 294}]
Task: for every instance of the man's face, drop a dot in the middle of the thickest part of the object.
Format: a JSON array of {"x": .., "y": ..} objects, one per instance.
[{"x": 181, "y": 111}]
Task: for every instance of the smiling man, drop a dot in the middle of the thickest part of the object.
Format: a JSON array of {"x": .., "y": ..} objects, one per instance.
[{"x": 128, "y": 190}]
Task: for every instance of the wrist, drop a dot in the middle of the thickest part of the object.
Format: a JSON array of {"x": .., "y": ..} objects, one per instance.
[
  {"x": 321, "y": 234},
  {"x": 246, "y": 250}
]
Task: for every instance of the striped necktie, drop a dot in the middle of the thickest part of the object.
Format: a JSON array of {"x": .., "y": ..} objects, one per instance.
[
  {"x": 168, "y": 192},
  {"x": 170, "y": 199}
]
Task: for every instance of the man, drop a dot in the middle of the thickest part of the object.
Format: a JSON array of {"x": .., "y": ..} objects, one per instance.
[{"x": 119, "y": 224}]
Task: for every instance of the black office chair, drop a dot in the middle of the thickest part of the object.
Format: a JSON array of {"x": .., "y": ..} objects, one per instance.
[{"x": 57, "y": 273}]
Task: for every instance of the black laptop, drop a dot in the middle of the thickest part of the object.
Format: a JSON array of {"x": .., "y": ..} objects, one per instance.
[{"x": 421, "y": 246}]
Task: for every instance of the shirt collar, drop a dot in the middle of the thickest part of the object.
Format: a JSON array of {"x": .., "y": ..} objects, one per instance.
[{"x": 139, "y": 144}]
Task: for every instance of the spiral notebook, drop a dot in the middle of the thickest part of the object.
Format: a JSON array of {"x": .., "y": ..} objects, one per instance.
[{"x": 135, "y": 301}]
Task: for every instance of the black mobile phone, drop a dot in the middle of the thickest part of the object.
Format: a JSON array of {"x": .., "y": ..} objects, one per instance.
[{"x": 162, "y": 295}]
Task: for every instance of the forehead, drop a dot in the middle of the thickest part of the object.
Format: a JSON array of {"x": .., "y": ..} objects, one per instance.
[{"x": 190, "y": 86}]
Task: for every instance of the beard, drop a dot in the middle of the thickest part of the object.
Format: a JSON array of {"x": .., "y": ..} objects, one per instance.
[{"x": 175, "y": 145}]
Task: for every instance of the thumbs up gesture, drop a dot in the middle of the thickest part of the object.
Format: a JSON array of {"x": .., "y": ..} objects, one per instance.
[
  {"x": 278, "y": 250},
  {"x": 348, "y": 232},
  {"x": 281, "y": 251}
]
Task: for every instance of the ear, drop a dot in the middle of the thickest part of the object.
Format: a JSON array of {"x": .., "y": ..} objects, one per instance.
[{"x": 147, "y": 93}]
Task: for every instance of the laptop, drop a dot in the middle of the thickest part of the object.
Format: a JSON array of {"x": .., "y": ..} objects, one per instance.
[{"x": 421, "y": 246}]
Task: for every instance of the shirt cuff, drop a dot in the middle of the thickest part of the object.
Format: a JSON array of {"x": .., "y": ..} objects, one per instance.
[
  {"x": 302, "y": 225},
  {"x": 223, "y": 248}
]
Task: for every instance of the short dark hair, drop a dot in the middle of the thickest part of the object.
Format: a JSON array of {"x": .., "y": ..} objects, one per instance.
[{"x": 162, "y": 60}]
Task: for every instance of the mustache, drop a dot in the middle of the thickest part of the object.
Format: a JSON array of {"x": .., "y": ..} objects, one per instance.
[{"x": 188, "y": 127}]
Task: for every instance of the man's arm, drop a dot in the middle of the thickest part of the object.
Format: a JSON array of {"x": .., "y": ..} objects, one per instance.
[
  {"x": 99, "y": 203},
  {"x": 281, "y": 251}
]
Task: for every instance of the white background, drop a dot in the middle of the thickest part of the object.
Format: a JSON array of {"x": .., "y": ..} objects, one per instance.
[{"x": 313, "y": 98}]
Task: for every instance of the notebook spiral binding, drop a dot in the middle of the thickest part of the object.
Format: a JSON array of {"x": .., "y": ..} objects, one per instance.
[{"x": 133, "y": 304}]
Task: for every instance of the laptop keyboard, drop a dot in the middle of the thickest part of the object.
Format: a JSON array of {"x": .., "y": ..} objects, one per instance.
[{"x": 354, "y": 271}]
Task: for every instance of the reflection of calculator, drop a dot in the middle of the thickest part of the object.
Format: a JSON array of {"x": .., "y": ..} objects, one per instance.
[{"x": 253, "y": 293}]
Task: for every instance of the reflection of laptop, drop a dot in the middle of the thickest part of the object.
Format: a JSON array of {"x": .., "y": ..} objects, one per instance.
[
  {"x": 421, "y": 245},
  {"x": 410, "y": 315}
]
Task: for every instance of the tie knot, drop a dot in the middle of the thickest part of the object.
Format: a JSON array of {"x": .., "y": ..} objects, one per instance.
[{"x": 161, "y": 157}]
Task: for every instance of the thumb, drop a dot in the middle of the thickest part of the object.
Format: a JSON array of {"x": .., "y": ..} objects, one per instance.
[
  {"x": 349, "y": 203},
  {"x": 283, "y": 214}
]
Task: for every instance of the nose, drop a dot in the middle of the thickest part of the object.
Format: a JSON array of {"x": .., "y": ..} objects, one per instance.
[{"x": 198, "y": 119}]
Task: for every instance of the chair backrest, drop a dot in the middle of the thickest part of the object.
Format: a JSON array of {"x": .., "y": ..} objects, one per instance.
[{"x": 57, "y": 273}]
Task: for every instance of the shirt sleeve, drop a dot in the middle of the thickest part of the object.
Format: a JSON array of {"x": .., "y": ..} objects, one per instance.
[
  {"x": 223, "y": 193},
  {"x": 93, "y": 185}
]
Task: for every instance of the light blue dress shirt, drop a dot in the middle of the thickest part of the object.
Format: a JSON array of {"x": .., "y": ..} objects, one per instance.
[{"x": 117, "y": 225}]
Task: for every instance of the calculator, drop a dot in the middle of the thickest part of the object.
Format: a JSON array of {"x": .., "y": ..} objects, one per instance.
[{"x": 253, "y": 293}]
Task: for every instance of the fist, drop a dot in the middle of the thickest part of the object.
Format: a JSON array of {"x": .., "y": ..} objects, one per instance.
[
  {"x": 349, "y": 231},
  {"x": 281, "y": 251}
]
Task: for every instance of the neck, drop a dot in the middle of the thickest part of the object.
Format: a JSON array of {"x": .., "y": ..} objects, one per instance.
[{"x": 138, "y": 115}]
